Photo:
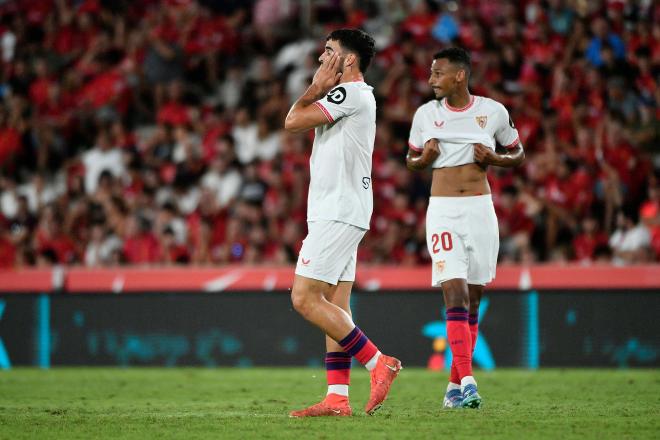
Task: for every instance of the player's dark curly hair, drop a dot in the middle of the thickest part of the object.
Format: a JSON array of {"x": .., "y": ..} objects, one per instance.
[
  {"x": 456, "y": 55},
  {"x": 358, "y": 42}
]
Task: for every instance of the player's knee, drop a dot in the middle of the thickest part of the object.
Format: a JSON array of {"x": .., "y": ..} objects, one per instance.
[
  {"x": 302, "y": 302},
  {"x": 476, "y": 293},
  {"x": 456, "y": 294},
  {"x": 474, "y": 305},
  {"x": 457, "y": 301}
]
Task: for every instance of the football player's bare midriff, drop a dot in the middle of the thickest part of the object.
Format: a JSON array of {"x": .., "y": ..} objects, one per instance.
[{"x": 460, "y": 181}]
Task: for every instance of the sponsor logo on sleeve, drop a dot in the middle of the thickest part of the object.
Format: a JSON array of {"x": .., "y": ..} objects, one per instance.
[{"x": 337, "y": 95}]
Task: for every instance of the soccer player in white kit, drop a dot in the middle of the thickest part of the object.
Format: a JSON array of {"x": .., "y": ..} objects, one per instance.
[
  {"x": 458, "y": 135},
  {"x": 342, "y": 109}
]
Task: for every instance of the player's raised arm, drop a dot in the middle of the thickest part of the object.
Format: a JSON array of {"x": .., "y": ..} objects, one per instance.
[
  {"x": 418, "y": 161},
  {"x": 512, "y": 158},
  {"x": 303, "y": 114}
]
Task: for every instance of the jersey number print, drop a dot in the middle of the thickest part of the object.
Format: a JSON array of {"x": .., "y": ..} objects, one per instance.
[{"x": 444, "y": 240}]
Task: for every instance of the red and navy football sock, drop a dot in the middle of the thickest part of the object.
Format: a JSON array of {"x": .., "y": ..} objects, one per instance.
[
  {"x": 460, "y": 341},
  {"x": 338, "y": 372},
  {"x": 357, "y": 344},
  {"x": 473, "y": 323}
]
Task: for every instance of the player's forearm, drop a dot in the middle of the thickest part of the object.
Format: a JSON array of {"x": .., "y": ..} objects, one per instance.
[
  {"x": 311, "y": 95},
  {"x": 418, "y": 162},
  {"x": 294, "y": 121},
  {"x": 511, "y": 159}
]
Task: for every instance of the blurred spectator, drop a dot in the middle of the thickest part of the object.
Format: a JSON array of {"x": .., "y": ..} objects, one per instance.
[
  {"x": 223, "y": 180},
  {"x": 53, "y": 243},
  {"x": 602, "y": 36},
  {"x": 515, "y": 226},
  {"x": 140, "y": 244},
  {"x": 182, "y": 102},
  {"x": 164, "y": 58},
  {"x": 103, "y": 157},
  {"x": 650, "y": 215},
  {"x": 631, "y": 240},
  {"x": 102, "y": 247},
  {"x": 589, "y": 241},
  {"x": 245, "y": 135}
]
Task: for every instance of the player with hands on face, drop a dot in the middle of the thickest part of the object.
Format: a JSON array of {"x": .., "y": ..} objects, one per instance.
[{"x": 341, "y": 108}]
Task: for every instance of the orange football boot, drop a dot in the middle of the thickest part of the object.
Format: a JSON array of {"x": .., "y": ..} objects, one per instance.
[
  {"x": 333, "y": 405},
  {"x": 387, "y": 368}
]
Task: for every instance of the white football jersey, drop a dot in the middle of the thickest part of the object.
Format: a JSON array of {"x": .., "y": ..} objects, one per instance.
[
  {"x": 340, "y": 166},
  {"x": 483, "y": 121}
]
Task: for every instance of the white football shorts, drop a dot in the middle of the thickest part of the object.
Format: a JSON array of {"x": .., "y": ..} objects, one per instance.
[
  {"x": 463, "y": 238},
  {"x": 329, "y": 252}
]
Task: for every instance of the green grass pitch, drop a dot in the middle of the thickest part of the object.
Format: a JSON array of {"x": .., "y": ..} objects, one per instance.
[{"x": 154, "y": 403}]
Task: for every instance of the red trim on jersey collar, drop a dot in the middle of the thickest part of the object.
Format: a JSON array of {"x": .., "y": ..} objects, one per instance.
[{"x": 462, "y": 109}]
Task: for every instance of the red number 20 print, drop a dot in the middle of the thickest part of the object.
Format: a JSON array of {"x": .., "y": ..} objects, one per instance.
[{"x": 443, "y": 239}]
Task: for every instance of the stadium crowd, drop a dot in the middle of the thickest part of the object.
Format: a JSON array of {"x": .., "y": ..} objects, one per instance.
[{"x": 150, "y": 132}]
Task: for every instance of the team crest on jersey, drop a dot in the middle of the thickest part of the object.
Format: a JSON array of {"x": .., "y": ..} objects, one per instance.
[
  {"x": 440, "y": 266},
  {"x": 482, "y": 121}
]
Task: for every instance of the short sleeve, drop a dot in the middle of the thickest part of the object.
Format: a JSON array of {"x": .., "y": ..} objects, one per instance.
[
  {"x": 339, "y": 102},
  {"x": 506, "y": 134},
  {"x": 415, "y": 140}
]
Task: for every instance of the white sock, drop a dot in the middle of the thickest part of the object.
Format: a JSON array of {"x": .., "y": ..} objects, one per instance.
[
  {"x": 342, "y": 390},
  {"x": 453, "y": 386},
  {"x": 372, "y": 362},
  {"x": 468, "y": 380}
]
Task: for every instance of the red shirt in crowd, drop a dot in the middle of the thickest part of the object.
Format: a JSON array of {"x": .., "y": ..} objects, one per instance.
[
  {"x": 39, "y": 91},
  {"x": 10, "y": 143},
  {"x": 650, "y": 215},
  {"x": 573, "y": 192},
  {"x": 209, "y": 35},
  {"x": 173, "y": 113},
  {"x": 105, "y": 88},
  {"x": 142, "y": 248},
  {"x": 419, "y": 26},
  {"x": 175, "y": 253},
  {"x": 585, "y": 245},
  {"x": 62, "y": 245},
  {"x": 7, "y": 252},
  {"x": 528, "y": 128},
  {"x": 514, "y": 220}
]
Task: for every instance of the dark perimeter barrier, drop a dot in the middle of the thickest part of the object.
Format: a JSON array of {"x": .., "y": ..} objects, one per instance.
[{"x": 539, "y": 316}]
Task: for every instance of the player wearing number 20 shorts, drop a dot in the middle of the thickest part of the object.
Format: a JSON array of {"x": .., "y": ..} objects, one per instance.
[{"x": 460, "y": 135}]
